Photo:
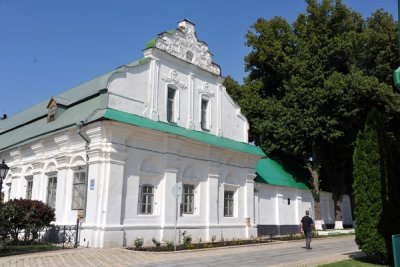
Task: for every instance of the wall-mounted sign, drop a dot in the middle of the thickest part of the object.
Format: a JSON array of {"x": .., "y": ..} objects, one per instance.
[{"x": 91, "y": 184}]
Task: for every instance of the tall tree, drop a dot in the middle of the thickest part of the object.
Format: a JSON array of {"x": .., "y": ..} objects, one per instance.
[
  {"x": 367, "y": 187},
  {"x": 308, "y": 91},
  {"x": 376, "y": 187}
]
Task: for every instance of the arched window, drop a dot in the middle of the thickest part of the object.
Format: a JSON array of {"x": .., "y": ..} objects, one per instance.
[{"x": 146, "y": 199}]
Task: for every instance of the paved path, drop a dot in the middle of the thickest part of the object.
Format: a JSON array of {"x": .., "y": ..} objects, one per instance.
[{"x": 291, "y": 253}]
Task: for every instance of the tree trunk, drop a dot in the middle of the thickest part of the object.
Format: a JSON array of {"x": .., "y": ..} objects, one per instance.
[
  {"x": 315, "y": 191},
  {"x": 337, "y": 201}
]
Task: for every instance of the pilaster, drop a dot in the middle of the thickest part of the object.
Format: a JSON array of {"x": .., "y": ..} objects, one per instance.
[
  {"x": 249, "y": 205},
  {"x": 64, "y": 185},
  {"x": 37, "y": 180}
]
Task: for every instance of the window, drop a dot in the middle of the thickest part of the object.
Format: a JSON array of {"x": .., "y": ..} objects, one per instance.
[
  {"x": 204, "y": 114},
  {"x": 171, "y": 105},
  {"x": 29, "y": 186},
  {"x": 51, "y": 192},
  {"x": 79, "y": 190},
  {"x": 188, "y": 199},
  {"x": 147, "y": 196},
  {"x": 52, "y": 110},
  {"x": 228, "y": 203}
]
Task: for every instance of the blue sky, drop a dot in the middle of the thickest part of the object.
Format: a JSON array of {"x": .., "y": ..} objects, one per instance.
[{"x": 49, "y": 46}]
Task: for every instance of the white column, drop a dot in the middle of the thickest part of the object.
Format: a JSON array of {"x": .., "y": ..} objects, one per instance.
[
  {"x": 277, "y": 213},
  {"x": 191, "y": 105},
  {"x": 154, "y": 80},
  {"x": 16, "y": 186},
  {"x": 38, "y": 186},
  {"x": 111, "y": 223},
  {"x": 251, "y": 229},
  {"x": 169, "y": 205},
  {"x": 62, "y": 205},
  {"x": 212, "y": 200},
  {"x": 102, "y": 226},
  {"x": 219, "y": 110}
]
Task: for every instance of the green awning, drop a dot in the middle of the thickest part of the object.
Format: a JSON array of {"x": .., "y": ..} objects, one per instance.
[
  {"x": 222, "y": 142},
  {"x": 271, "y": 172}
]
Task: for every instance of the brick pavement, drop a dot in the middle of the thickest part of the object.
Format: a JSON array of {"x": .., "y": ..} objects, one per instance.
[{"x": 124, "y": 257}]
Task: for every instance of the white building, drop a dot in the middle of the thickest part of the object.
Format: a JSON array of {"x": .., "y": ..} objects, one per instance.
[{"x": 150, "y": 146}]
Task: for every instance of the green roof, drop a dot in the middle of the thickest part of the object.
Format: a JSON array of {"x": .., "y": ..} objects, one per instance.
[
  {"x": 85, "y": 102},
  {"x": 271, "y": 172},
  {"x": 88, "y": 111},
  {"x": 222, "y": 142}
]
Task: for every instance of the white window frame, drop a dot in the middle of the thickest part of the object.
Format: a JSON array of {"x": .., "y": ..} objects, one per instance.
[
  {"x": 229, "y": 203},
  {"x": 171, "y": 105},
  {"x": 51, "y": 191},
  {"x": 205, "y": 115},
  {"x": 79, "y": 181},
  {"x": 146, "y": 200},
  {"x": 188, "y": 196},
  {"x": 29, "y": 188}
]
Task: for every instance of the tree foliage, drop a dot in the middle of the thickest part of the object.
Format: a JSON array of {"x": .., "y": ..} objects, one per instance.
[
  {"x": 376, "y": 188},
  {"x": 24, "y": 214},
  {"x": 311, "y": 85},
  {"x": 368, "y": 187}
]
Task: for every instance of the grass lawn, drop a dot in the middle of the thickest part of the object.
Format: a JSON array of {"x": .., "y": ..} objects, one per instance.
[
  {"x": 361, "y": 262},
  {"x": 16, "y": 250}
]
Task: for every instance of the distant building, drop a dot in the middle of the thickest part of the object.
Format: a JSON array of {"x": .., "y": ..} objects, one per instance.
[{"x": 150, "y": 146}]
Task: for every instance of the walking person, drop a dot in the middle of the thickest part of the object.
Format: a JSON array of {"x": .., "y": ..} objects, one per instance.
[{"x": 307, "y": 224}]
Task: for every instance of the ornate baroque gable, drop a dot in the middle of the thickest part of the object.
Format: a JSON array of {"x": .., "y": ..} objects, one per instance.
[{"x": 183, "y": 44}]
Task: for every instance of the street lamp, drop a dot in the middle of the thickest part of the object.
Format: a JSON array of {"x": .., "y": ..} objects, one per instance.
[{"x": 3, "y": 173}]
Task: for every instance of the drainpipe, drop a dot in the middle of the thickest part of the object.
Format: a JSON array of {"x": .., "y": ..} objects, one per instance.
[{"x": 87, "y": 140}]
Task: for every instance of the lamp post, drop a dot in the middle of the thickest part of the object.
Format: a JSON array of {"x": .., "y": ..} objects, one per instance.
[{"x": 3, "y": 173}]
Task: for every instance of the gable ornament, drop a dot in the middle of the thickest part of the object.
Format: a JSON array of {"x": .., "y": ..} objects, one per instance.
[
  {"x": 205, "y": 90},
  {"x": 173, "y": 78}
]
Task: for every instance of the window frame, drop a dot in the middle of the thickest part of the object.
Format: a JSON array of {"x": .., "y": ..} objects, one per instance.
[
  {"x": 29, "y": 188},
  {"x": 171, "y": 105},
  {"x": 51, "y": 191},
  {"x": 205, "y": 114},
  {"x": 76, "y": 185},
  {"x": 229, "y": 203},
  {"x": 188, "y": 199},
  {"x": 147, "y": 204}
]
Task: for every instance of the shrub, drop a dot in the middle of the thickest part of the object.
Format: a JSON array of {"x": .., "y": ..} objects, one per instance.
[
  {"x": 187, "y": 242},
  {"x": 156, "y": 243},
  {"x": 138, "y": 243},
  {"x": 20, "y": 214},
  {"x": 170, "y": 245}
]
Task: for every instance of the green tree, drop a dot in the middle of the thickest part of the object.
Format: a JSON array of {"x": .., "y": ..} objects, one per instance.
[
  {"x": 367, "y": 187},
  {"x": 23, "y": 214},
  {"x": 376, "y": 187},
  {"x": 308, "y": 91}
]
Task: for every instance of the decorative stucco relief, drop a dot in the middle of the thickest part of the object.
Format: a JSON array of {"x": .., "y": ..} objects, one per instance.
[
  {"x": 183, "y": 44},
  {"x": 205, "y": 90},
  {"x": 173, "y": 78}
]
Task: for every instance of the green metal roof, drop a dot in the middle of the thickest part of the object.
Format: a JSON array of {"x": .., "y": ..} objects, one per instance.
[
  {"x": 271, "y": 172},
  {"x": 73, "y": 95},
  {"x": 222, "y": 142},
  {"x": 85, "y": 102},
  {"x": 88, "y": 111}
]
